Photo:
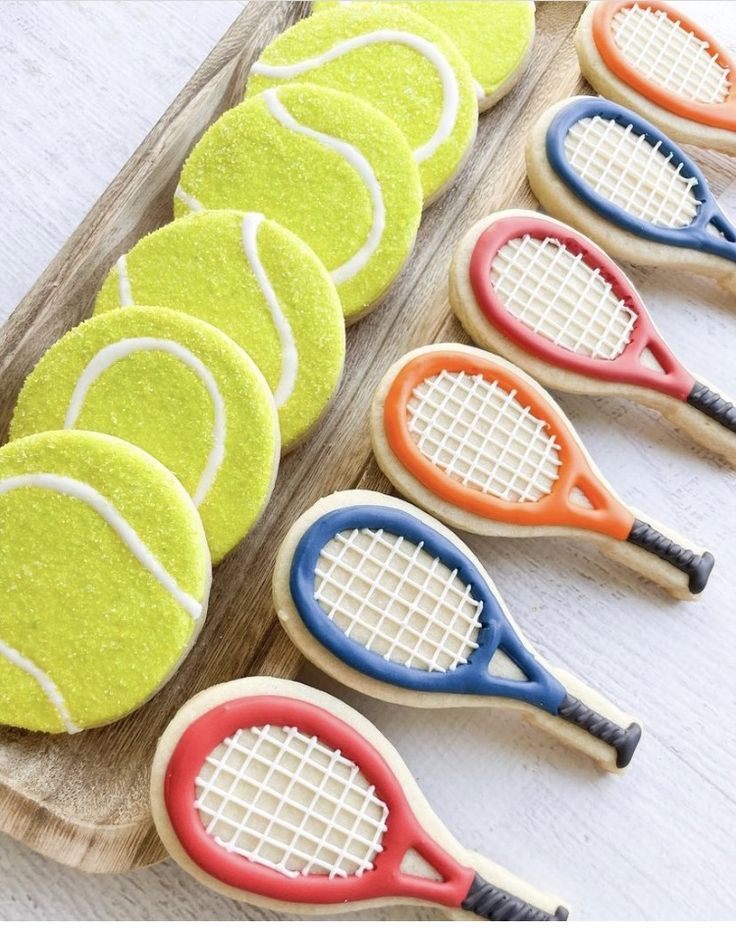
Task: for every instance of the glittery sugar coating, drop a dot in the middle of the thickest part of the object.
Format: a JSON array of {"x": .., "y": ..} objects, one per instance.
[
  {"x": 74, "y": 600},
  {"x": 398, "y": 79},
  {"x": 247, "y": 160},
  {"x": 198, "y": 265}
]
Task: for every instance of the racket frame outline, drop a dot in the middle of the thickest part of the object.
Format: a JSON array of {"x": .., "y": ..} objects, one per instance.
[
  {"x": 609, "y": 517},
  {"x": 718, "y": 115},
  {"x": 694, "y": 235},
  {"x": 404, "y": 831},
  {"x": 674, "y": 380},
  {"x": 541, "y": 690}
]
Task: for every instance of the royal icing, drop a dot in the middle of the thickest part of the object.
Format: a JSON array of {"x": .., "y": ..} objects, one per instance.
[{"x": 49, "y": 688}]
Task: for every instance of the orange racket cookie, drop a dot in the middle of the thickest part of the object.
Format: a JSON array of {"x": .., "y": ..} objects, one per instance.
[
  {"x": 655, "y": 60},
  {"x": 469, "y": 437}
]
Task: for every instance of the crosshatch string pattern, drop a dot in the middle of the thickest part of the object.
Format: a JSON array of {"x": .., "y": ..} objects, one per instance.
[
  {"x": 664, "y": 51},
  {"x": 482, "y": 437},
  {"x": 557, "y": 295},
  {"x": 627, "y": 170},
  {"x": 285, "y": 800},
  {"x": 392, "y": 596}
]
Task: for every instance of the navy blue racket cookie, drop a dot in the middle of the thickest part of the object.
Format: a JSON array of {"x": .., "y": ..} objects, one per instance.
[
  {"x": 382, "y": 597},
  {"x": 618, "y": 179}
]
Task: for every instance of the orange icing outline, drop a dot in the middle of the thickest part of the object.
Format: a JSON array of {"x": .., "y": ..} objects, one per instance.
[
  {"x": 719, "y": 115},
  {"x": 609, "y": 515}
]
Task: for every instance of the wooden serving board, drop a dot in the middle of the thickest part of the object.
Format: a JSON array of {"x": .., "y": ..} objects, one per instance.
[{"x": 82, "y": 799}]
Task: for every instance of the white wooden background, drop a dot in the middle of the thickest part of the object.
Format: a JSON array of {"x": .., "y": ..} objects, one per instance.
[{"x": 82, "y": 82}]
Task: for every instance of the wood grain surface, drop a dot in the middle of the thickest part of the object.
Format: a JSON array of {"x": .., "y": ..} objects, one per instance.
[{"x": 83, "y": 800}]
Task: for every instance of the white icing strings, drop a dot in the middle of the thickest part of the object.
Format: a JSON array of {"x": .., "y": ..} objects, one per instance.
[
  {"x": 113, "y": 353},
  {"x": 63, "y": 484},
  {"x": 289, "y": 355},
  {"x": 47, "y": 685},
  {"x": 450, "y": 91},
  {"x": 359, "y": 163}
]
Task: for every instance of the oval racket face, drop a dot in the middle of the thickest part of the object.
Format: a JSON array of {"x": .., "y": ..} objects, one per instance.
[
  {"x": 400, "y": 602},
  {"x": 281, "y": 798},
  {"x": 634, "y": 176},
  {"x": 551, "y": 292},
  {"x": 668, "y": 59},
  {"x": 476, "y": 435}
]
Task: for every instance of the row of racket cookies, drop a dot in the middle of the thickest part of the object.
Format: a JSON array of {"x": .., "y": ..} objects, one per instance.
[{"x": 388, "y": 600}]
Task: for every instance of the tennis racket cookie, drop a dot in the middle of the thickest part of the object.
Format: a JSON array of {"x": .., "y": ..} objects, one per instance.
[
  {"x": 469, "y": 437},
  {"x": 619, "y": 180},
  {"x": 653, "y": 59},
  {"x": 277, "y": 794},
  {"x": 425, "y": 84},
  {"x": 330, "y": 167},
  {"x": 259, "y": 284},
  {"x": 176, "y": 387},
  {"x": 390, "y": 602},
  {"x": 104, "y": 579},
  {"x": 545, "y": 297}
]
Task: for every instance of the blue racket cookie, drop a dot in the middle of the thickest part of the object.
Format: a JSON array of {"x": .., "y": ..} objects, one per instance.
[
  {"x": 387, "y": 600},
  {"x": 619, "y": 179}
]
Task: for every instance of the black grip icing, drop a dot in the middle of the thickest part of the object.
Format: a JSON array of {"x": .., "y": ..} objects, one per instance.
[
  {"x": 696, "y": 567},
  {"x": 713, "y": 405},
  {"x": 624, "y": 741},
  {"x": 490, "y": 902}
]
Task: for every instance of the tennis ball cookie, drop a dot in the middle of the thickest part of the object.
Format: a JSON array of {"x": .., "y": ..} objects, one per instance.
[
  {"x": 104, "y": 579},
  {"x": 425, "y": 84},
  {"x": 176, "y": 387},
  {"x": 328, "y": 166},
  {"x": 495, "y": 38},
  {"x": 258, "y": 283}
]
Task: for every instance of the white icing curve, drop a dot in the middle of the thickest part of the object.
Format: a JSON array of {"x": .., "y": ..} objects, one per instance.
[
  {"x": 359, "y": 163},
  {"x": 187, "y": 199},
  {"x": 450, "y": 91},
  {"x": 116, "y": 351},
  {"x": 289, "y": 354},
  {"x": 63, "y": 484},
  {"x": 49, "y": 687},
  {"x": 125, "y": 293}
]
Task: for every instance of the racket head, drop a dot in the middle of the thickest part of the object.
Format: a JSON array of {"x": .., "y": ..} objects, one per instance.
[
  {"x": 634, "y": 176},
  {"x": 555, "y": 295},
  {"x": 667, "y": 58},
  {"x": 395, "y": 596},
  {"x": 452, "y": 417},
  {"x": 314, "y": 777}
]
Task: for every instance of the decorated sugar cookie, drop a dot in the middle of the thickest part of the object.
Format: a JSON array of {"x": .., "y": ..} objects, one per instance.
[
  {"x": 328, "y": 166},
  {"x": 649, "y": 56},
  {"x": 469, "y": 437},
  {"x": 495, "y": 38},
  {"x": 619, "y": 180},
  {"x": 542, "y": 295},
  {"x": 178, "y": 388},
  {"x": 393, "y": 59},
  {"x": 277, "y": 794},
  {"x": 104, "y": 579},
  {"x": 258, "y": 283},
  {"x": 390, "y": 602}
]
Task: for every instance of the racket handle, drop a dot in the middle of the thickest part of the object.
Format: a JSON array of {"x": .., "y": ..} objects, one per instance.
[
  {"x": 696, "y": 566},
  {"x": 491, "y": 902},
  {"x": 710, "y": 403},
  {"x": 624, "y": 741}
]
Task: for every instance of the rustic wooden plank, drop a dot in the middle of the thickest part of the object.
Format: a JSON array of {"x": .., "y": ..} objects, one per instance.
[{"x": 83, "y": 801}]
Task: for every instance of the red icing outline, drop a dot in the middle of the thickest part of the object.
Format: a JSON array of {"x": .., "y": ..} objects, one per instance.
[
  {"x": 627, "y": 367},
  {"x": 608, "y": 516},
  {"x": 404, "y": 831}
]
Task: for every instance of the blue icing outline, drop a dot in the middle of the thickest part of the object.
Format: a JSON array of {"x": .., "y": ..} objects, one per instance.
[
  {"x": 693, "y": 236},
  {"x": 541, "y": 689}
]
